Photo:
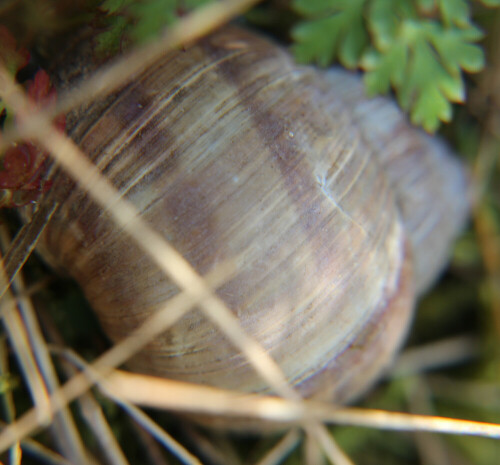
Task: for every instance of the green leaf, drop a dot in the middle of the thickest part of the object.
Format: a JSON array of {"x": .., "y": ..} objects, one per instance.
[
  {"x": 430, "y": 107},
  {"x": 316, "y": 41},
  {"x": 383, "y": 23},
  {"x": 455, "y": 49},
  {"x": 452, "y": 87},
  {"x": 333, "y": 29},
  {"x": 385, "y": 18},
  {"x": 151, "y": 17},
  {"x": 384, "y": 70},
  {"x": 424, "y": 64},
  {"x": 108, "y": 42},
  {"x": 354, "y": 42},
  {"x": 422, "y": 90},
  {"x": 455, "y": 12}
]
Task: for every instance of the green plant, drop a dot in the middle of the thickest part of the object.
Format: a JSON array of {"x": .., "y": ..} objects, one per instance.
[{"x": 418, "y": 47}]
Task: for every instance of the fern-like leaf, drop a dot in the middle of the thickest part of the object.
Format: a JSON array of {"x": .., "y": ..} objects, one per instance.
[
  {"x": 334, "y": 30},
  {"x": 418, "y": 48},
  {"x": 423, "y": 64}
]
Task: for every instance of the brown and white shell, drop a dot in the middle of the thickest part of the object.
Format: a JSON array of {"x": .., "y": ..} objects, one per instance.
[{"x": 341, "y": 211}]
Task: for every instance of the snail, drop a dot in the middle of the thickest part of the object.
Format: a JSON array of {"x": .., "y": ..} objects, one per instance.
[{"x": 343, "y": 214}]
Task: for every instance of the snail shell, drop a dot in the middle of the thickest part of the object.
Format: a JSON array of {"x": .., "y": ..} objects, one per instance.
[
  {"x": 230, "y": 149},
  {"x": 429, "y": 180}
]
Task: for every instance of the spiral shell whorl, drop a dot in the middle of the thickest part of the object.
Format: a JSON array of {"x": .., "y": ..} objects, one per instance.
[
  {"x": 230, "y": 149},
  {"x": 430, "y": 182}
]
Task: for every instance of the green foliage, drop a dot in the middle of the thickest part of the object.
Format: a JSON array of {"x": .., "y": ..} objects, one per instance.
[
  {"x": 139, "y": 21},
  {"x": 336, "y": 29},
  {"x": 419, "y": 48}
]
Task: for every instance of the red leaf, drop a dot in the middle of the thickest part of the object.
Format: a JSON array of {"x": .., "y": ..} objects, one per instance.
[
  {"x": 24, "y": 164},
  {"x": 40, "y": 89}
]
